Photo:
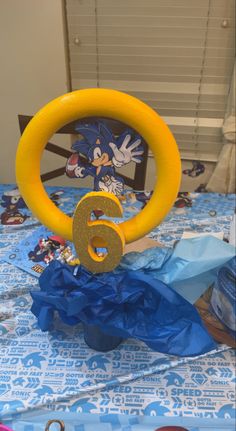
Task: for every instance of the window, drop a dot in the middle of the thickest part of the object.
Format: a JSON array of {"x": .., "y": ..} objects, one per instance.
[{"x": 175, "y": 55}]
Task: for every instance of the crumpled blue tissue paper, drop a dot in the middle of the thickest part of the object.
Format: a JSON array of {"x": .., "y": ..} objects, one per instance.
[
  {"x": 125, "y": 304},
  {"x": 147, "y": 297},
  {"x": 190, "y": 268}
]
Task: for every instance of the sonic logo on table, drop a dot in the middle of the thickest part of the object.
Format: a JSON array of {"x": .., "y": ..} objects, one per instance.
[
  {"x": 12, "y": 202},
  {"x": 99, "y": 152}
]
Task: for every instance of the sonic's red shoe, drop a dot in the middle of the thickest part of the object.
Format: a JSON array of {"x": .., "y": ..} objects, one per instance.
[{"x": 72, "y": 163}]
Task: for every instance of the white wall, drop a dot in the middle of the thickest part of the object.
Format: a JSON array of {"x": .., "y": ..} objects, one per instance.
[{"x": 33, "y": 70}]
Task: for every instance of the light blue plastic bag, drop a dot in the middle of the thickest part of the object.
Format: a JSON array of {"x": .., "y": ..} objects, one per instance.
[{"x": 190, "y": 268}]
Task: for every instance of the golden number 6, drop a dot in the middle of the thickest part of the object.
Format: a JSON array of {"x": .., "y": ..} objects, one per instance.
[{"x": 88, "y": 234}]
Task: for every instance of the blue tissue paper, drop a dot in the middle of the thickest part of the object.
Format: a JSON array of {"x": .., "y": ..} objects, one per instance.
[
  {"x": 190, "y": 268},
  {"x": 124, "y": 304}
]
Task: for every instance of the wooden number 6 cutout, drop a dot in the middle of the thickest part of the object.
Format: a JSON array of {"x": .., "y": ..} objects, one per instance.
[{"x": 88, "y": 234}]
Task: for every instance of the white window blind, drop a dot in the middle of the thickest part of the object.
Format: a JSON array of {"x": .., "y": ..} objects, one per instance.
[{"x": 175, "y": 55}]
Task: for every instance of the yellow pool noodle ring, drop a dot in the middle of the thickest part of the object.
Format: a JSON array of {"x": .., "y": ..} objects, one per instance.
[{"x": 106, "y": 103}]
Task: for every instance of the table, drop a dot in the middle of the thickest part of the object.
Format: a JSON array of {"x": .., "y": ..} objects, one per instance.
[{"x": 131, "y": 388}]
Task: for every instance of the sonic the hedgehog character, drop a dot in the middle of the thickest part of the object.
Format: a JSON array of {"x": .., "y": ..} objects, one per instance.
[{"x": 99, "y": 152}]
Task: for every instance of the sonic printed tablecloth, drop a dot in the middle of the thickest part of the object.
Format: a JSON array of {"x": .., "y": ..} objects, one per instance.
[
  {"x": 203, "y": 212},
  {"x": 131, "y": 388}
]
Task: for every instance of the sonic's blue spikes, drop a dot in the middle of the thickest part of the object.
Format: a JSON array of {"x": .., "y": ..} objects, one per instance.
[
  {"x": 106, "y": 133},
  {"x": 92, "y": 132},
  {"x": 81, "y": 147}
]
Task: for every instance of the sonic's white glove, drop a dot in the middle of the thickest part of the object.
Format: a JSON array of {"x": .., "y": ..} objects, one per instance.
[
  {"x": 125, "y": 153},
  {"x": 79, "y": 172}
]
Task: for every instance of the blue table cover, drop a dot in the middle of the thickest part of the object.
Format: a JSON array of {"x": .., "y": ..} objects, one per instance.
[{"x": 46, "y": 375}]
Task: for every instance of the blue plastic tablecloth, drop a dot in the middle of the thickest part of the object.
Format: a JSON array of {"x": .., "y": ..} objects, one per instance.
[{"x": 56, "y": 373}]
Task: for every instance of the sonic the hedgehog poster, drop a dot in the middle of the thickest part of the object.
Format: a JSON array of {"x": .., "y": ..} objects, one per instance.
[{"x": 100, "y": 152}]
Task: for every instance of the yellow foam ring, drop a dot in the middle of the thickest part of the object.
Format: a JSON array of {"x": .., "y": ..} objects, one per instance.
[{"x": 105, "y": 103}]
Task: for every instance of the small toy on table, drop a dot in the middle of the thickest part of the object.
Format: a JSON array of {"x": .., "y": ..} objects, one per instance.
[{"x": 47, "y": 248}]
